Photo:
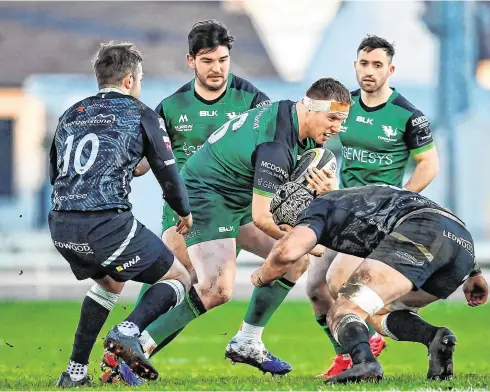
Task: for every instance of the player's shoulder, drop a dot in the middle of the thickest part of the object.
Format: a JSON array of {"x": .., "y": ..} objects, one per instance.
[
  {"x": 185, "y": 89},
  {"x": 355, "y": 93},
  {"x": 401, "y": 102},
  {"x": 240, "y": 84}
]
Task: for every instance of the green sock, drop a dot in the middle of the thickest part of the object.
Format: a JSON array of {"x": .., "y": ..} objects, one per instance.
[
  {"x": 322, "y": 320},
  {"x": 143, "y": 290},
  {"x": 177, "y": 318},
  {"x": 265, "y": 301}
]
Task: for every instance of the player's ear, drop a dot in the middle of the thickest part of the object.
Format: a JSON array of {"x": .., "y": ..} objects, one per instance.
[
  {"x": 191, "y": 61},
  {"x": 355, "y": 64},
  {"x": 392, "y": 69},
  {"x": 128, "y": 81}
]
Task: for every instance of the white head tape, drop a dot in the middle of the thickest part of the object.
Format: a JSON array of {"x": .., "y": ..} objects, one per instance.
[{"x": 326, "y": 106}]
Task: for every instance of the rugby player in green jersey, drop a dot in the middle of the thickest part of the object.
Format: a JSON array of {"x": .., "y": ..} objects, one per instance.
[
  {"x": 238, "y": 169},
  {"x": 191, "y": 114},
  {"x": 382, "y": 131}
]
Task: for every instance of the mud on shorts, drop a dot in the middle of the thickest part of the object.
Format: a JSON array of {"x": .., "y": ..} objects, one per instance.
[
  {"x": 110, "y": 242},
  {"x": 431, "y": 248}
]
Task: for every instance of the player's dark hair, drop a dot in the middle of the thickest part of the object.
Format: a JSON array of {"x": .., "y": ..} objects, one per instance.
[
  {"x": 113, "y": 61},
  {"x": 208, "y": 35},
  {"x": 329, "y": 88},
  {"x": 372, "y": 42}
]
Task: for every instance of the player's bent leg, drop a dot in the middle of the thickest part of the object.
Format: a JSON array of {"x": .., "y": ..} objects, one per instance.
[
  {"x": 321, "y": 300},
  {"x": 247, "y": 346},
  {"x": 372, "y": 285},
  {"x": 169, "y": 280}
]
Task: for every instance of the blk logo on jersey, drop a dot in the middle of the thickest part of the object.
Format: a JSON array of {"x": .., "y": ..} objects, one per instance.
[
  {"x": 208, "y": 113},
  {"x": 183, "y": 118},
  {"x": 363, "y": 120}
]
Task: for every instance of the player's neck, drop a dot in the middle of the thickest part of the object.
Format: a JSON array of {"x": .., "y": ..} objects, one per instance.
[
  {"x": 377, "y": 97},
  {"x": 207, "y": 94}
]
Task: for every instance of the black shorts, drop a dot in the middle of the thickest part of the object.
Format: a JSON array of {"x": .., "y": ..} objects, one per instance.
[
  {"x": 435, "y": 252},
  {"x": 112, "y": 242}
]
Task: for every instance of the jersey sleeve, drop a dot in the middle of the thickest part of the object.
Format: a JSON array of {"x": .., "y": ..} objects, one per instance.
[
  {"x": 259, "y": 100},
  {"x": 418, "y": 136},
  {"x": 273, "y": 165},
  {"x": 158, "y": 151},
  {"x": 53, "y": 164}
]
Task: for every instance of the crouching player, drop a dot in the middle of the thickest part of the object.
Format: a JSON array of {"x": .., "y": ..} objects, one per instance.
[{"x": 413, "y": 252}]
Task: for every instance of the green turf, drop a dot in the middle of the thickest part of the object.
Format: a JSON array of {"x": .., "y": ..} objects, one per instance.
[{"x": 41, "y": 334}]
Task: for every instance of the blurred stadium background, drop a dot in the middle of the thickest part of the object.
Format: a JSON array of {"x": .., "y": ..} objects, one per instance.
[{"x": 443, "y": 67}]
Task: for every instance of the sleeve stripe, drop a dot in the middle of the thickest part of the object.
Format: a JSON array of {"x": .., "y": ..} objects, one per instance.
[
  {"x": 263, "y": 193},
  {"x": 422, "y": 149},
  {"x": 169, "y": 162}
]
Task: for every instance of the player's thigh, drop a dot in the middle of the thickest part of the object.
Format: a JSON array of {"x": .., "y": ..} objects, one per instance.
[
  {"x": 254, "y": 240},
  {"x": 413, "y": 301},
  {"x": 215, "y": 264},
  {"x": 127, "y": 249},
  {"x": 373, "y": 285},
  {"x": 342, "y": 267}
]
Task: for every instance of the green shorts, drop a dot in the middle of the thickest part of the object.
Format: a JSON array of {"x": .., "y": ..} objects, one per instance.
[
  {"x": 169, "y": 218},
  {"x": 214, "y": 218}
]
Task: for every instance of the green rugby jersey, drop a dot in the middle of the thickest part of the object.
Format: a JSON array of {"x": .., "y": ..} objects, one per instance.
[
  {"x": 190, "y": 119},
  {"x": 377, "y": 141},
  {"x": 254, "y": 152}
]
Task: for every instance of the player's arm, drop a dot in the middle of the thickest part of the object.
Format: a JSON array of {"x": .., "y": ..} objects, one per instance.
[
  {"x": 273, "y": 163},
  {"x": 53, "y": 161},
  {"x": 143, "y": 165},
  {"x": 418, "y": 138},
  {"x": 158, "y": 151},
  {"x": 259, "y": 100}
]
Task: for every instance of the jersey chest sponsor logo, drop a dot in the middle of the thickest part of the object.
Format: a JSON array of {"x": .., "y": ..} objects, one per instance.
[
  {"x": 364, "y": 156},
  {"x": 390, "y": 133},
  {"x": 130, "y": 263},
  {"x": 183, "y": 118},
  {"x": 208, "y": 113},
  {"x": 275, "y": 168},
  {"x": 183, "y": 127},
  {"x": 364, "y": 120}
]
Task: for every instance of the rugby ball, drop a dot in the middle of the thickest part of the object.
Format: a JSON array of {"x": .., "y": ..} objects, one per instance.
[{"x": 321, "y": 158}]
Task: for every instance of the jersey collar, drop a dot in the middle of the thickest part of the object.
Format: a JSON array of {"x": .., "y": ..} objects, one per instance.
[
  {"x": 111, "y": 90},
  {"x": 393, "y": 95}
]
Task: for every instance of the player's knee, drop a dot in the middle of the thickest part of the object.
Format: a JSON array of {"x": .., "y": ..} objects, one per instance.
[
  {"x": 179, "y": 272},
  {"x": 316, "y": 291},
  {"x": 216, "y": 295}
]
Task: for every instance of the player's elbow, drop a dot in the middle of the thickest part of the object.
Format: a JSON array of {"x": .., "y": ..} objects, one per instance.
[{"x": 260, "y": 221}]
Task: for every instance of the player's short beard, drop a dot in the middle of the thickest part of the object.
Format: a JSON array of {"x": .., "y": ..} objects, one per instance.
[
  {"x": 203, "y": 82},
  {"x": 377, "y": 85}
]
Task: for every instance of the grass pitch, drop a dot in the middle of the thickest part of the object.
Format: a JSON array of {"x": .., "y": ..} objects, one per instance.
[{"x": 36, "y": 339}]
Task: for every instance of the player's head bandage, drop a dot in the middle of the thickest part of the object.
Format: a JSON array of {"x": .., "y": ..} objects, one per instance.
[
  {"x": 289, "y": 201},
  {"x": 326, "y": 106},
  {"x": 363, "y": 296},
  {"x": 348, "y": 318},
  {"x": 103, "y": 297}
]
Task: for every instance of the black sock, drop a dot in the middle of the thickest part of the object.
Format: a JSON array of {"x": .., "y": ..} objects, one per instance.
[
  {"x": 353, "y": 335},
  {"x": 407, "y": 326},
  {"x": 159, "y": 299},
  {"x": 92, "y": 318},
  {"x": 166, "y": 341}
]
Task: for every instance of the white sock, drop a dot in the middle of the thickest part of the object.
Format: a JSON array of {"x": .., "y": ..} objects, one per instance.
[
  {"x": 76, "y": 370},
  {"x": 147, "y": 343},
  {"x": 249, "y": 332},
  {"x": 129, "y": 328}
]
